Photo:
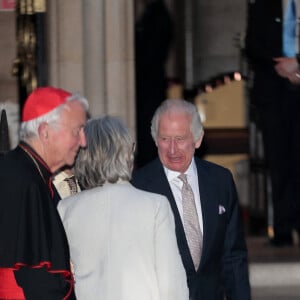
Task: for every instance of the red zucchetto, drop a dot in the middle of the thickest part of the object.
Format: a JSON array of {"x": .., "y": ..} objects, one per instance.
[{"x": 42, "y": 100}]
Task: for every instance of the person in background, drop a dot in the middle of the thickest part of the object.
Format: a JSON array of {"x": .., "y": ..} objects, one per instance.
[
  {"x": 204, "y": 201},
  {"x": 124, "y": 246},
  {"x": 272, "y": 49},
  {"x": 34, "y": 253}
]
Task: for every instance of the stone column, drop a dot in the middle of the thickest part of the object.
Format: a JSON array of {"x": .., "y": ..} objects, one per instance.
[
  {"x": 91, "y": 51},
  {"x": 65, "y": 44},
  {"x": 94, "y": 73},
  {"x": 119, "y": 59}
]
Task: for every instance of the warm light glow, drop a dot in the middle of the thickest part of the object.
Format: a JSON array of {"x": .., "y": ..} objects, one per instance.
[
  {"x": 227, "y": 79},
  {"x": 270, "y": 232},
  {"x": 237, "y": 76},
  {"x": 208, "y": 88}
]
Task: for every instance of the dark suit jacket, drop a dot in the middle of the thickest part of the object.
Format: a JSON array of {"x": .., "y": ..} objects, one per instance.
[
  {"x": 223, "y": 268},
  {"x": 264, "y": 31},
  {"x": 263, "y": 43}
]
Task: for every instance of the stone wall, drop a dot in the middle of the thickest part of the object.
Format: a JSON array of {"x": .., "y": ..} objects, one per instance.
[
  {"x": 8, "y": 86},
  {"x": 8, "y": 89}
]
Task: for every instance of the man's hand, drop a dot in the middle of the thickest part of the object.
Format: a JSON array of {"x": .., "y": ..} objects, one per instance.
[
  {"x": 294, "y": 77},
  {"x": 288, "y": 68},
  {"x": 285, "y": 66}
]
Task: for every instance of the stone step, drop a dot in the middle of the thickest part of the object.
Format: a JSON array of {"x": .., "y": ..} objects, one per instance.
[
  {"x": 276, "y": 293},
  {"x": 283, "y": 274},
  {"x": 274, "y": 271}
]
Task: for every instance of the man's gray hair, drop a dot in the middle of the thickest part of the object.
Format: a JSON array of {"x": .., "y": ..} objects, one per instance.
[
  {"x": 108, "y": 155},
  {"x": 30, "y": 128},
  {"x": 180, "y": 106}
]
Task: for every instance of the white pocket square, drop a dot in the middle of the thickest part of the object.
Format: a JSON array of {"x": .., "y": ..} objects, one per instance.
[{"x": 221, "y": 209}]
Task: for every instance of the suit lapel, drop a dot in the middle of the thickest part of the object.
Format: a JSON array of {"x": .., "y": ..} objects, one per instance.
[
  {"x": 209, "y": 207},
  {"x": 160, "y": 184}
]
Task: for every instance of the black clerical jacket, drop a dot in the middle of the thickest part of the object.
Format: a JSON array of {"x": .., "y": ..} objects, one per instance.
[{"x": 32, "y": 237}]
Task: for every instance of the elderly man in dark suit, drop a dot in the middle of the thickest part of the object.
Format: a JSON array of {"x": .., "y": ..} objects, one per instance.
[{"x": 208, "y": 227}]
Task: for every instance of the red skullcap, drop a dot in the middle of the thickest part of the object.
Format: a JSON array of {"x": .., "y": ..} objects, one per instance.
[{"x": 42, "y": 100}]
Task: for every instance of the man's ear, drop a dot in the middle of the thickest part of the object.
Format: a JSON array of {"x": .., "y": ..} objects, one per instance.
[
  {"x": 199, "y": 141},
  {"x": 43, "y": 131}
]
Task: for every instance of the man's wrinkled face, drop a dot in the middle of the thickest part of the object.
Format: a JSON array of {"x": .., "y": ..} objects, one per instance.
[
  {"x": 175, "y": 141},
  {"x": 68, "y": 137}
]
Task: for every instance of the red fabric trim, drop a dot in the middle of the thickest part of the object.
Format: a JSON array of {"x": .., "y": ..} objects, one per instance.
[
  {"x": 51, "y": 188},
  {"x": 67, "y": 275},
  {"x": 9, "y": 288}
]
